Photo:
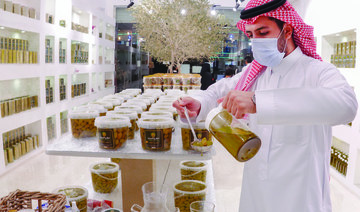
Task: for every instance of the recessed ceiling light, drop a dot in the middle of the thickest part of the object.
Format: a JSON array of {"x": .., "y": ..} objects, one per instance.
[
  {"x": 183, "y": 12},
  {"x": 2, "y": 27},
  {"x": 22, "y": 31},
  {"x": 337, "y": 34}
]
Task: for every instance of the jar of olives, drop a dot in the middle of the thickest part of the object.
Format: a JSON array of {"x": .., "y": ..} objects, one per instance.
[
  {"x": 132, "y": 115},
  {"x": 166, "y": 109},
  {"x": 156, "y": 133},
  {"x": 83, "y": 123},
  {"x": 188, "y": 191},
  {"x": 187, "y": 136},
  {"x": 104, "y": 176},
  {"x": 136, "y": 103},
  {"x": 193, "y": 170},
  {"x": 112, "y": 131}
]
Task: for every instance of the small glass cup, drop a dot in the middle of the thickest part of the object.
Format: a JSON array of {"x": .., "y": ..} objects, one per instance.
[{"x": 202, "y": 206}]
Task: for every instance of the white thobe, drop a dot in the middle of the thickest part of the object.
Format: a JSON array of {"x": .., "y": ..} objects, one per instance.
[{"x": 297, "y": 102}]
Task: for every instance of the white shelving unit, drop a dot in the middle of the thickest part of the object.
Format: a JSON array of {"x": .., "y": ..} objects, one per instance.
[
  {"x": 335, "y": 30},
  {"x": 29, "y": 79}
]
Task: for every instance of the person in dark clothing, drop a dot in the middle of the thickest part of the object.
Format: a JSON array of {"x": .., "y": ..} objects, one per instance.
[
  {"x": 230, "y": 71},
  {"x": 206, "y": 77}
]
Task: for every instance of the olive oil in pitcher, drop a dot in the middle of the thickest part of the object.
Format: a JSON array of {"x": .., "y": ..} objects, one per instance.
[{"x": 233, "y": 134}]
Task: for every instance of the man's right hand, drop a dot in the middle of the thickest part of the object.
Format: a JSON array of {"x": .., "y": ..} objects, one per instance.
[{"x": 192, "y": 105}]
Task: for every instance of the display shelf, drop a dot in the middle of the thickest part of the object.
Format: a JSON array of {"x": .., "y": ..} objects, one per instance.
[
  {"x": 36, "y": 31},
  {"x": 49, "y": 89},
  {"x": 62, "y": 50},
  {"x": 25, "y": 8},
  {"x": 101, "y": 54},
  {"x": 340, "y": 48},
  {"x": 80, "y": 20},
  {"x": 20, "y": 141},
  {"x": 63, "y": 87},
  {"x": 64, "y": 122},
  {"x": 51, "y": 128},
  {"x": 89, "y": 147},
  {"x": 116, "y": 195},
  {"x": 109, "y": 55},
  {"x": 109, "y": 79},
  {"x": 79, "y": 52},
  {"x": 50, "y": 11},
  {"x": 110, "y": 32},
  {"x": 18, "y": 46},
  {"x": 49, "y": 49}
]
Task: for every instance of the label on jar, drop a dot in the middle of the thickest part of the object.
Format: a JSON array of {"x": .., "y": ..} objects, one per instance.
[
  {"x": 200, "y": 134},
  {"x": 154, "y": 139},
  {"x": 106, "y": 137}
]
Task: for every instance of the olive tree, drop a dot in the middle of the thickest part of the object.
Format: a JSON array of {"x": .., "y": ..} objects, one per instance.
[{"x": 178, "y": 30}]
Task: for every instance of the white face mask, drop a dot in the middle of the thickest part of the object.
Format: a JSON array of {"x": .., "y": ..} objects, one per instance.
[{"x": 266, "y": 51}]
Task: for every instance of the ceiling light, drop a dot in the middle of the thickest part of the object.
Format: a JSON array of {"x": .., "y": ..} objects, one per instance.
[
  {"x": 234, "y": 9},
  {"x": 2, "y": 27},
  {"x": 22, "y": 31},
  {"x": 183, "y": 12},
  {"x": 131, "y": 4},
  {"x": 150, "y": 11},
  {"x": 337, "y": 34},
  {"x": 213, "y": 12}
]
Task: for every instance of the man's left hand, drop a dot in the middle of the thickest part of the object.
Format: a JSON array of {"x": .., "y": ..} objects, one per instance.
[{"x": 238, "y": 103}]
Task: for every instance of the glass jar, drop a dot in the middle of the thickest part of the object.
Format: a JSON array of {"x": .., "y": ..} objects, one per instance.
[
  {"x": 83, "y": 123},
  {"x": 233, "y": 134},
  {"x": 188, "y": 191},
  {"x": 187, "y": 136},
  {"x": 78, "y": 194},
  {"x": 156, "y": 133},
  {"x": 193, "y": 170},
  {"x": 104, "y": 176},
  {"x": 132, "y": 115},
  {"x": 112, "y": 131}
]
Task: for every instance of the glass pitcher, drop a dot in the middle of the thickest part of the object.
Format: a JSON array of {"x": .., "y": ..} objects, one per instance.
[
  {"x": 233, "y": 134},
  {"x": 154, "y": 199}
]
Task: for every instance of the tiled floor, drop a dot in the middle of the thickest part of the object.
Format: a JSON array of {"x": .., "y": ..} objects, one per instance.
[{"x": 45, "y": 173}]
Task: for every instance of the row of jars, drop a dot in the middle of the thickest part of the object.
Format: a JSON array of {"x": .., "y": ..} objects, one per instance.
[
  {"x": 172, "y": 79},
  {"x": 116, "y": 118},
  {"x": 339, "y": 160}
]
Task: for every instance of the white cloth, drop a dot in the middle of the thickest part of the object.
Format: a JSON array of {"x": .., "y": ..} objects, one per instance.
[
  {"x": 245, "y": 67},
  {"x": 297, "y": 103}
]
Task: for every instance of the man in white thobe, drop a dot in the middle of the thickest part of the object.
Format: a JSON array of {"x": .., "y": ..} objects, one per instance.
[{"x": 292, "y": 100}]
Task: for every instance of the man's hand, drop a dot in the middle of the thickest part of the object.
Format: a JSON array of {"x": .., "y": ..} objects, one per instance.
[
  {"x": 238, "y": 103},
  {"x": 193, "y": 106}
]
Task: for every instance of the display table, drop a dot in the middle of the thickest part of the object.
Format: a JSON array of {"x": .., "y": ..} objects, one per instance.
[{"x": 138, "y": 166}]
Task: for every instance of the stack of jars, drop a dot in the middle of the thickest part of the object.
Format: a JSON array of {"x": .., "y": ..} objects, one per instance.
[{"x": 339, "y": 160}]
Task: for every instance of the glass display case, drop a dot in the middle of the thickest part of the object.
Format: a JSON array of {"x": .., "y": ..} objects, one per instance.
[{"x": 79, "y": 84}]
